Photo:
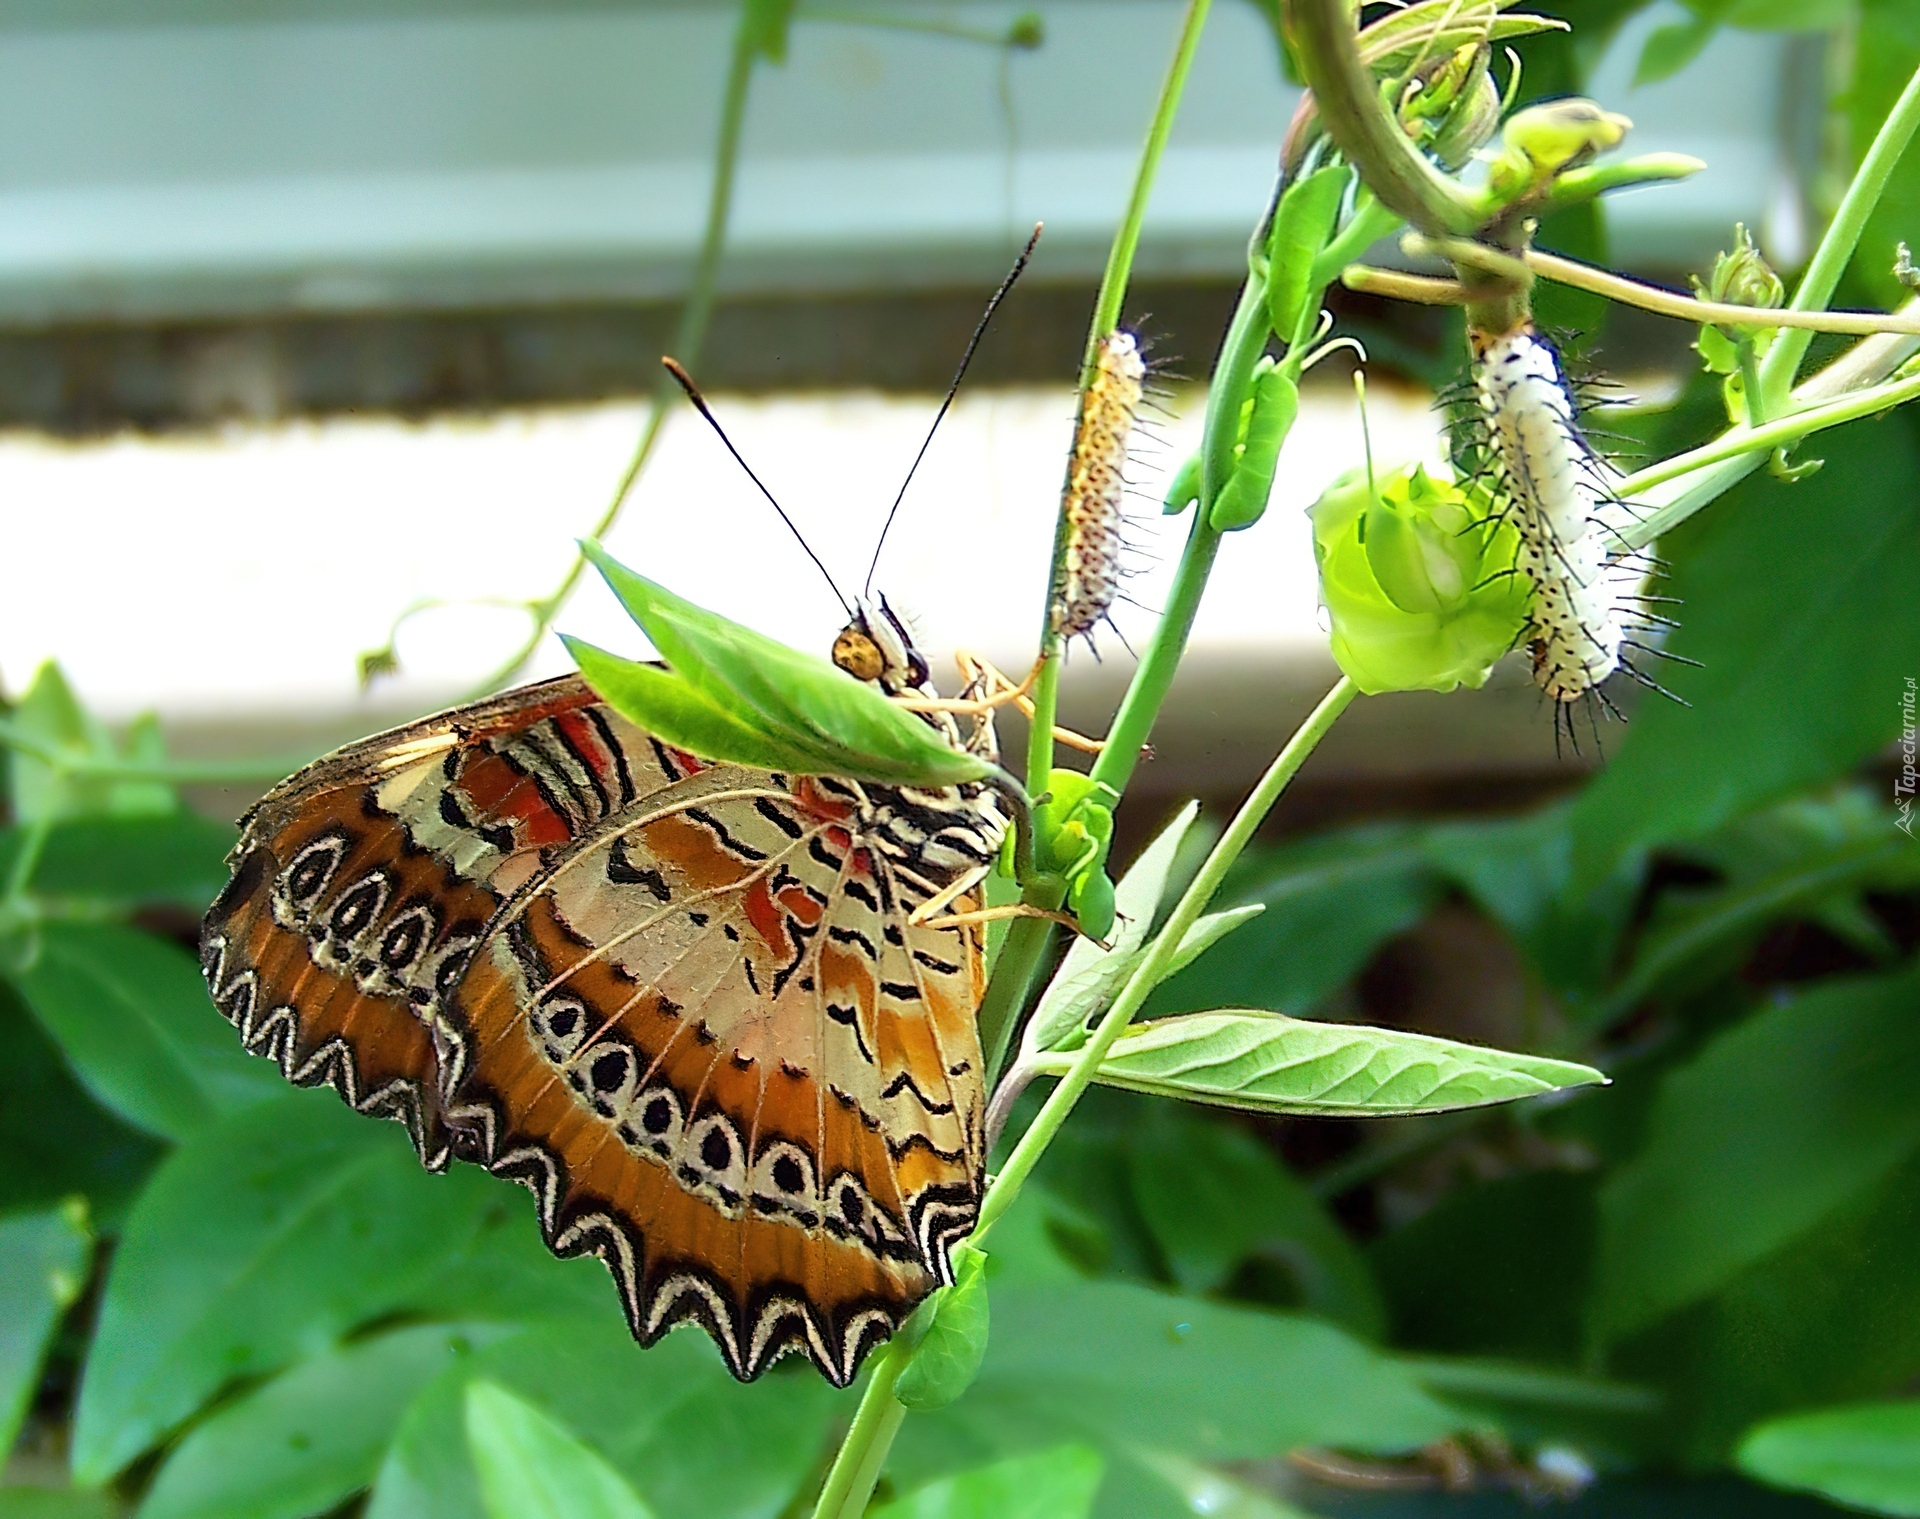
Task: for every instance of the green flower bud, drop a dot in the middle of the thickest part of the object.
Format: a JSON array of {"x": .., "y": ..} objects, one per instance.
[
  {"x": 1739, "y": 278},
  {"x": 1544, "y": 139},
  {"x": 1412, "y": 577},
  {"x": 1453, "y": 107}
]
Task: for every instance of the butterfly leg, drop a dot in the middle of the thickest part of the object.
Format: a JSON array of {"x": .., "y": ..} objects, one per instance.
[{"x": 987, "y": 688}]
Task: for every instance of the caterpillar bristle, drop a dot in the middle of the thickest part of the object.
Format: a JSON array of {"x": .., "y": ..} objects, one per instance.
[
  {"x": 1088, "y": 578},
  {"x": 1524, "y": 444}
]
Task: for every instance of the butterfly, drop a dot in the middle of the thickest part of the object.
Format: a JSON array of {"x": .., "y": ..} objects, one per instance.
[{"x": 688, "y": 1004}]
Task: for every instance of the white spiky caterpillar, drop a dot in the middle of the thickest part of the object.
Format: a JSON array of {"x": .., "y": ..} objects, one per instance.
[
  {"x": 1555, "y": 492},
  {"x": 1089, "y": 577}
]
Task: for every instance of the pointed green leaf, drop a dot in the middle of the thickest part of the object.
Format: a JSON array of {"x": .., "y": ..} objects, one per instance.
[
  {"x": 51, "y": 714},
  {"x": 669, "y": 1419},
  {"x": 1051, "y": 1484},
  {"x": 1269, "y": 1063},
  {"x": 131, "y": 1014},
  {"x": 43, "y": 1266},
  {"x": 680, "y": 714},
  {"x": 1775, "y": 1125},
  {"x": 533, "y": 1467},
  {"x": 267, "y": 1236},
  {"x": 784, "y": 694},
  {"x": 307, "y": 1440},
  {"x": 1866, "y": 1456}
]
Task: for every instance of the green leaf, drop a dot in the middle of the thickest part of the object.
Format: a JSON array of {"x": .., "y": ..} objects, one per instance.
[
  {"x": 265, "y": 1237},
  {"x": 1672, "y": 47},
  {"x": 1834, "y": 1317},
  {"x": 948, "y": 1355},
  {"x": 1880, "y": 72},
  {"x": 173, "y": 856},
  {"x": 1519, "y": 871},
  {"x": 670, "y": 1420},
  {"x": 1269, "y": 1063},
  {"x": 52, "y": 714},
  {"x": 1053, "y": 1484},
  {"x": 1801, "y": 680},
  {"x": 1329, "y": 903},
  {"x": 678, "y": 714},
  {"x": 1680, "y": 942},
  {"x": 56, "y": 1503},
  {"x": 55, "y": 1140},
  {"x": 1214, "y": 1196},
  {"x": 830, "y": 722},
  {"x": 1779, "y": 1121},
  {"x": 1125, "y": 1368},
  {"x": 1499, "y": 1268},
  {"x": 308, "y": 1439},
  {"x": 1302, "y": 226},
  {"x": 1866, "y": 1456},
  {"x": 533, "y": 1467},
  {"x": 43, "y": 1266},
  {"x": 131, "y": 1015}
]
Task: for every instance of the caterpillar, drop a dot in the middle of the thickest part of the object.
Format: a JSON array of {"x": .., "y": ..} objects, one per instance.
[
  {"x": 1088, "y": 578},
  {"x": 1588, "y": 586}
]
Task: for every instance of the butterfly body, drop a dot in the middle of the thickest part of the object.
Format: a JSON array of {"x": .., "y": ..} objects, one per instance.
[{"x": 685, "y": 1003}]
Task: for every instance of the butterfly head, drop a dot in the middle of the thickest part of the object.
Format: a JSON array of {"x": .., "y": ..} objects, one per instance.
[{"x": 876, "y": 647}]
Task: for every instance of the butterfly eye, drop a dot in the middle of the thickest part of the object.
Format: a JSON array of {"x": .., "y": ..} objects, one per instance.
[{"x": 917, "y": 672}]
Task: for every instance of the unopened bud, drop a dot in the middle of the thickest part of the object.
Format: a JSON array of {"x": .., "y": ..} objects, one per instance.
[
  {"x": 1545, "y": 139},
  {"x": 1739, "y": 278}
]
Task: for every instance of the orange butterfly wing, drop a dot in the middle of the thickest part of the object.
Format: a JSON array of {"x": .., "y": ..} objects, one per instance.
[{"x": 683, "y": 1003}]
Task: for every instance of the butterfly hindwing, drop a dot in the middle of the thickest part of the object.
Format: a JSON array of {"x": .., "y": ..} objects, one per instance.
[{"x": 685, "y": 1004}]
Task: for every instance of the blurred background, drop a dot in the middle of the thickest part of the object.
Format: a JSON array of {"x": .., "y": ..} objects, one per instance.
[{"x": 316, "y": 315}]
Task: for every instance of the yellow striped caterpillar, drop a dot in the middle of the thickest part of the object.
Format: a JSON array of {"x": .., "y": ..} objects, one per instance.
[{"x": 1088, "y": 577}]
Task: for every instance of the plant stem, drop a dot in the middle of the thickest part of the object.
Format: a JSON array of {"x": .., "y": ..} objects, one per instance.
[
  {"x": 1106, "y": 315},
  {"x": 689, "y": 337},
  {"x": 1246, "y": 339},
  {"x": 1113, "y": 283},
  {"x": 172, "y": 772},
  {"x": 1759, "y": 441},
  {"x": 1193, "y": 901},
  {"x": 1842, "y": 236},
  {"x": 1429, "y": 291},
  {"x": 1865, "y": 364},
  {"x": 876, "y": 1421},
  {"x": 1026, "y": 950},
  {"x": 1355, "y": 118}
]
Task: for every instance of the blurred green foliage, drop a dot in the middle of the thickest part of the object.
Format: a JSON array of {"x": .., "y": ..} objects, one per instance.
[{"x": 222, "y": 1297}]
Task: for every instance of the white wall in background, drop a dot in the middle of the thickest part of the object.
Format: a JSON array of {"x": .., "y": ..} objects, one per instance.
[{"x": 241, "y": 573}]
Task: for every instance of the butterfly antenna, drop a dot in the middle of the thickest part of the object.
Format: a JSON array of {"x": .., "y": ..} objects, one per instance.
[
  {"x": 966, "y": 358},
  {"x": 685, "y": 382}
]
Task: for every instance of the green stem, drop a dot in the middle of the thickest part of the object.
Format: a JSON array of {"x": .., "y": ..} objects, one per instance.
[
  {"x": 1147, "y": 975},
  {"x": 1232, "y": 375},
  {"x": 1113, "y": 283},
  {"x": 689, "y": 337},
  {"x": 1841, "y": 238},
  {"x": 1023, "y": 956},
  {"x": 1757, "y": 441},
  {"x": 856, "y": 1468},
  {"x": 169, "y": 772},
  {"x": 1371, "y": 222},
  {"x": 1356, "y": 119}
]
